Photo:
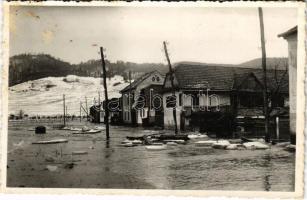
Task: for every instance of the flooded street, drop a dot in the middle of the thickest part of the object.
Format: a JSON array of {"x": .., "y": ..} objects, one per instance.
[{"x": 109, "y": 165}]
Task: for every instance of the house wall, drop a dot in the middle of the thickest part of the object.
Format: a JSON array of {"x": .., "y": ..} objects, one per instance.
[
  {"x": 204, "y": 100},
  {"x": 153, "y": 79},
  {"x": 168, "y": 112},
  {"x": 126, "y": 114},
  {"x": 292, "y": 49},
  {"x": 223, "y": 100}
]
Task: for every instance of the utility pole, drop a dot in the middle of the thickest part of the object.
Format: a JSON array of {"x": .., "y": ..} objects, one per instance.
[
  {"x": 172, "y": 83},
  {"x": 104, "y": 76},
  {"x": 64, "y": 115},
  {"x": 99, "y": 109},
  {"x": 265, "y": 97}
]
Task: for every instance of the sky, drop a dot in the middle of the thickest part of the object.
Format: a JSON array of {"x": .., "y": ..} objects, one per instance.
[{"x": 135, "y": 34}]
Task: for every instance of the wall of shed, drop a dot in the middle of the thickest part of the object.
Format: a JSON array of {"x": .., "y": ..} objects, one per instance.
[{"x": 292, "y": 48}]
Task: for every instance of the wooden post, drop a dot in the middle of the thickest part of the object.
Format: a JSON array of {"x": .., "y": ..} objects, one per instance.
[
  {"x": 64, "y": 116},
  {"x": 129, "y": 98},
  {"x": 99, "y": 100},
  {"x": 265, "y": 98},
  {"x": 106, "y": 117},
  {"x": 80, "y": 112},
  {"x": 207, "y": 99},
  {"x": 86, "y": 108},
  {"x": 277, "y": 128},
  {"x": 172, "y": 83},
  {"x": 66, "y": 112}
]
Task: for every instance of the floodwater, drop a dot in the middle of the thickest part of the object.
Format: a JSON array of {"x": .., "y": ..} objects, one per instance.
[{"x": 108, "y": 165}]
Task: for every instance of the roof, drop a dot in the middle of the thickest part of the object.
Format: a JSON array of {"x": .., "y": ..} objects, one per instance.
[
  {"x": 289, "y": 32},
  {"x": 218, "y": 76},
  {"x": 279, "y": 79},
  {"x": 138, "y": 81}
]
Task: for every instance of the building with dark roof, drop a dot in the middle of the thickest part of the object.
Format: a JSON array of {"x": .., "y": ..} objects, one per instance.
[{"x": 202, "y": 87}]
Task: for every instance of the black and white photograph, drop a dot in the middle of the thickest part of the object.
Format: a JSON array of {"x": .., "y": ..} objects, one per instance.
[{"x": 204, "y": 98}]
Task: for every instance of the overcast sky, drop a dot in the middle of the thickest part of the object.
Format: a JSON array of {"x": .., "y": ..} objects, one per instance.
[{"x": 212, "y": 35}]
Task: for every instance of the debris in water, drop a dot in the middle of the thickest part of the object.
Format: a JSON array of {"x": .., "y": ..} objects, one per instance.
[
  {"x": 79, "y": 152},
  {"x": 18, "y": 144},
  {"x": 156, "y": 147},
  {"x": 255, "y": 145},
  {"x": 40, "y": 130},
  {"x": 91, "y": 131},
  {"x": 137, "y": 142},
  {"x": 221, "y": 144},
  {"x": 51, "y": 141},
  {"x": 51, "y": 168},
  {"x": 290, "y": 148},
  {"x": 69, "y": 165},
  {"x": 206, "y": 143},
  {"x": 85, "y": 128},
  {"x": 196, "y": 136},
  {"x": 172, "y": 143},
  {"x": 99, "y": 128},
  {"x": 49, "y": 159},
  {"x": 282, "y": 144},
  {"x": 235, "y": 147},
  {"x": 176, "y": 141},
  {"x": 127, "y": 144}
]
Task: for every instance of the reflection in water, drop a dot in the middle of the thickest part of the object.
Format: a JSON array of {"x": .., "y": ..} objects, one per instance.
[
  {"x": 268, "y": 167},
  {"x": 267, "y": 185},
  {"x": 107, "y": 143}
]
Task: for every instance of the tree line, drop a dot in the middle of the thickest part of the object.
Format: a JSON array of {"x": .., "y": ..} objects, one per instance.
[{"x": 25, "y": 67}]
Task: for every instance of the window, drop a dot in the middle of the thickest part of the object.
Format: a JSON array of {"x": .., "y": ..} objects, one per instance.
[
  {"x": 171, "y": 101},
  {"x": 249, "y": 100},
  {"x": 180, "y": 99},
  {"x": 126, "y": 116},
  {"x": 158, "y": 78},
  {"x": 195, "y": 100},
  {"x": 143, "y": 113},
  {"x": 153, "y": 79},
  {"x": 278, "y": 101}
]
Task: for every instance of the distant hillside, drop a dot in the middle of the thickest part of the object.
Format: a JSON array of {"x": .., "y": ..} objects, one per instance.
[
  {"x": 271, "y": 63},
  {"x": 25, "y": 67},
  {"x": 93, "y": 68}
]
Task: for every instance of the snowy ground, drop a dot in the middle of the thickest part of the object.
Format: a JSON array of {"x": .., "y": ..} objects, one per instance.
[{"x": 45, "y": 96}]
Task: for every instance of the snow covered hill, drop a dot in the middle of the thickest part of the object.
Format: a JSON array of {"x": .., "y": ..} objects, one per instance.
[{"x": 45, "y": 96}]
